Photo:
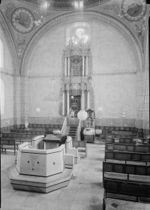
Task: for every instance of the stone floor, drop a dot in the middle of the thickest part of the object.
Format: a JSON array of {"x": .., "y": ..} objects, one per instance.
[{"x": 84, "y": 192}]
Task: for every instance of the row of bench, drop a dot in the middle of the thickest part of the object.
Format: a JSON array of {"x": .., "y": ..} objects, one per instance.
[
  {"x": 127, "y": 156},
  {"x": 118, "y": 128},
  {"x": 126, "y": 170},
  {"x": 127, "y": 140},
  {"x": 128, "y": 147},
  {"x": 10, "y": 141},
  {"x": 127, "y": 190},
  {"x": 36, "y": 125}
]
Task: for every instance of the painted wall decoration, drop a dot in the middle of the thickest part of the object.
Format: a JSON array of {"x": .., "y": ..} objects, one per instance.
[
  {"x": 22, "y": 20},
  {"x": 133, "y": 10},
  {"x": 140, "y": 28},
  {"x": 78, "y": 33}
]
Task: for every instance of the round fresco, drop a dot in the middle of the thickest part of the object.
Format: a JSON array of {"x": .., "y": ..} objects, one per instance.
[
  {"x": 133, "y": 10},
  {"x": 22, "y": 20}
]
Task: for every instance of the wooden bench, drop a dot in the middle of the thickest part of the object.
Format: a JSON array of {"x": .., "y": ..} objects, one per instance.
[
  {"x": 126, "y": 190},
  {"x": 8, "y": 144},
  {"x": 128, "y": 147},
  {"x": 127, "y": 156},
  {"x": 126, "y": 171}
]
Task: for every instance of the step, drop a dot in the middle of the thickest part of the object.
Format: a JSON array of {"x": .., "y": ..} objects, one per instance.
[{"x": 39, "y": 184}]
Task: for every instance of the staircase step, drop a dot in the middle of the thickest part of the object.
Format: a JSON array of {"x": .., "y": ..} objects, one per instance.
[{"x": 72, "y": 131}]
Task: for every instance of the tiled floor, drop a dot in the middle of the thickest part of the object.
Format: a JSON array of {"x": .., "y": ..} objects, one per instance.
[{"x": 84, "y": 192}]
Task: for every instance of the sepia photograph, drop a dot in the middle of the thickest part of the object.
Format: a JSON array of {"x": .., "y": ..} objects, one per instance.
[{"x": 74, "y": 105}]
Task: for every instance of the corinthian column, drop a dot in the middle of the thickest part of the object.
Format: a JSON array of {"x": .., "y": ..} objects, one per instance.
[
  {"x": 83, "y": 67},
  {"x": 88, "y": 99},
  {"x": 86, "y": 69},
  {"x": 63, "y": 104},
  {"x": 83, "y": 100},
  {"x": 65, "y": 66},
  {"x": 68, "y": 102},
  {"x": 68, "y": 66}
]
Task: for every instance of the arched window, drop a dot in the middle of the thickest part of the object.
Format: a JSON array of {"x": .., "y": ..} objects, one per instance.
[
  {"x": 1, "y": 54},
  {"x": 78, "y": 34},
  {"x": 2, "y": 97}
]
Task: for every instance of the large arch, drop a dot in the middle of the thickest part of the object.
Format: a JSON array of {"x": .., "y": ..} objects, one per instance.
[
  {"x": 49, "y": 28},
  {"x": 87, "y": 16},
  {"x": 2, "y": 97},
  {"x": 8, "y": 72},
  {"x": 7, "y": 39},
  {"x": 1, "y": 54}
]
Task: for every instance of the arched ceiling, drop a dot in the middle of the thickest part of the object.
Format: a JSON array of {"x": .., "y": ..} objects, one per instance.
[
  {"x": 67, "y": 4},
  {"x": 59, "y": 10},
  {"x": 71, "y": 18}
]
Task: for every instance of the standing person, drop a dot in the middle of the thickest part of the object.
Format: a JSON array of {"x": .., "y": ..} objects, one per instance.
[{"x": 81, "y": 134}]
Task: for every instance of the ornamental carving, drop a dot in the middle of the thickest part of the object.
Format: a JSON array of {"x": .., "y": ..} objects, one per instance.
[
  {"x": 140, "y": 28},
  {"x": 76, "y": 65}
]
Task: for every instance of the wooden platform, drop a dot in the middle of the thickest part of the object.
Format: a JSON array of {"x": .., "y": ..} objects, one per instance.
[{"x": 39, "y": 184}]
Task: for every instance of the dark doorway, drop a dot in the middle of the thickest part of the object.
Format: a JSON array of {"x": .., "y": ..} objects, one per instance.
[{"x": 75, "y": 104}]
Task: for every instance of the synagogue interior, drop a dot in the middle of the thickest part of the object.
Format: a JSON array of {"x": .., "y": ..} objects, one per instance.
[{"x": 74, "y": 105}]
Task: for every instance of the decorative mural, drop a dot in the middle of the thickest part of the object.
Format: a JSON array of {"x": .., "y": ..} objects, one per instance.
[
  {"x": 22, "y": 20},
  {"x": 140, "y": 28},
  {"x": 133, "y": 10}
]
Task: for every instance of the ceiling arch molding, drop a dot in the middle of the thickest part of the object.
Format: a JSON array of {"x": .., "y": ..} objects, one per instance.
[
  {"x": 7, "y": 37},
  {"x": 77, "y": 17}
]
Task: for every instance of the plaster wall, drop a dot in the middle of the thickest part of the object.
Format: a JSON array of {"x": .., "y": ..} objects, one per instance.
[
  {"x": 46, "y": 57},
  {"x": 111, "y": 50},
  {"x": 44, "y": 76},
  {"x": 44, "y": 97},
  {"x": 7, "y": 117},
  {"x": 115, "y": 96},
  {"x": 7, "y": 78}
]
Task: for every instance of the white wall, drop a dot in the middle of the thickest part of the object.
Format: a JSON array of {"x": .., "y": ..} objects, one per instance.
[
  {"x": 111, "y": 51},
  {"x": 44, "y": 97},
  {"x": 45, "y": 72},
  {"x": 115, "y": 94},
  {"x": 7, "y": 76}
]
